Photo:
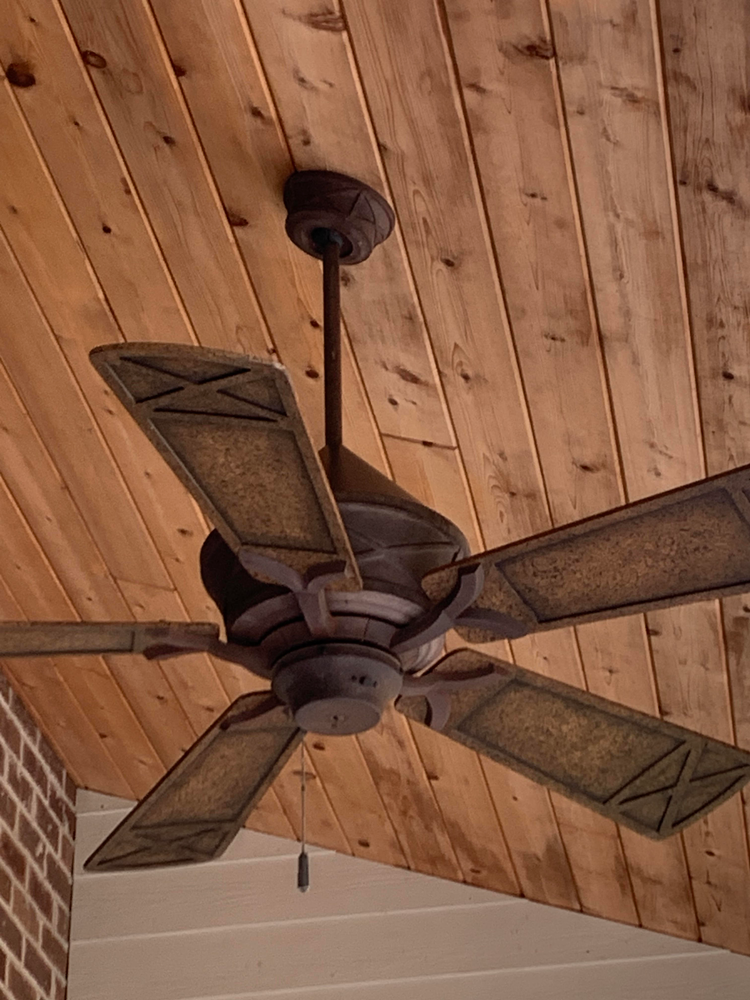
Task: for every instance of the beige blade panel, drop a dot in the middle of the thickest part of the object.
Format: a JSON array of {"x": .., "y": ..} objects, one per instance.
[
  {"x": 195, "y": 811},
  {"x": 689, "y": 544},
  {"x": 647, "y": 774},
  {"x": 229, "y": 426},
  {"x": 53, "y": 638}
]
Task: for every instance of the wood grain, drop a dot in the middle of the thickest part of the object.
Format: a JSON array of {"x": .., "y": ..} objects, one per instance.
[{"x": 557, "y": 324}]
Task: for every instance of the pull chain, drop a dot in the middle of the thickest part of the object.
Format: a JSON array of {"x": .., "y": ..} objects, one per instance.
[{"x": 303, "y": 862}]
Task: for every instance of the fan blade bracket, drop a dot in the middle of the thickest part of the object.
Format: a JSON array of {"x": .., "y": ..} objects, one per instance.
[
  {"x": 443, "y": 615},
  {"x": 637, "y": 770},
  {"x": 229, "y": 427},
  {"x": 689, "y": 544}
]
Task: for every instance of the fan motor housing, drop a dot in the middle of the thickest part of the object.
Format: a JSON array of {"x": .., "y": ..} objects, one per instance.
[{"x": 337, "y": 688}]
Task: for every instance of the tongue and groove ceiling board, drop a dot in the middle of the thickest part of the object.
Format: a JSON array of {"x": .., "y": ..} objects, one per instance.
[{"x": 558, "y": 324}]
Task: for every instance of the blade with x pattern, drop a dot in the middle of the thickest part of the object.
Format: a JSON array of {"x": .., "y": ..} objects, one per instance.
[
  {"x": 195, "y": 811},
  {"x": 638, "y": 770}
]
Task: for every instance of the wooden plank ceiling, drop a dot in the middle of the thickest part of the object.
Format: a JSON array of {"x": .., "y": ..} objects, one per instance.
[{"x": 559, "y": 324}]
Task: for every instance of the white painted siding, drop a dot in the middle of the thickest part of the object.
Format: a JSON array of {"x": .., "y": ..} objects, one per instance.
[{"x": 237, "y": 928}]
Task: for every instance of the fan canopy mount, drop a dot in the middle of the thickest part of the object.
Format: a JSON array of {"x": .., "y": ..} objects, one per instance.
[{"x": 321, "y": 202}]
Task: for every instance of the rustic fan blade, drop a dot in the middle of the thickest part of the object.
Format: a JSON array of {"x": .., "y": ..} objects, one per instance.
[
  {"x": 55, "y": 638},
  {"x": 687, "y": 545},
  {"x": 195, "y": 811},
  {"x": 640, "y": 771},
  {"x": 229, "y": 427}
]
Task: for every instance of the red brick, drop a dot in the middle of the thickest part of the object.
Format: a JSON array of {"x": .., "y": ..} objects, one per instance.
[
  {"x": 58, "y": 880},
  {"x": 4, "y": 687},
  {"x": 9, "y": 932},
  {"x": 3, "y": 964},
  {"x": 51, "y": 759},
  {"x": 20, "y": 784},
  {"x": 40, "y": 894},
  {"x": 67, "y": 852},
  {"x": 21, "y": 713},
  {"x": 61, "y": 990},
  {"x": 8, "y": 808},
  {"x": 12, "y": 856},
  {"x": 54, "y": 951},
  {"x": 37, "y": 966},
  {"x": 63, "y": 922},
  {"x": 30, "y": 839},
  {"x": 35, "y": 769},
  {"x": 70, "y": 789},
  {"x": 25, "y": 912},
  {"x": 9, "y": 731},
  {"x": 57, "y": 804},
  {"x": 47, "y": 824},
  {"x": 70, "y": 820},
  {"x": 20, "y": 987},
  {"x": 5, "y": 885}
]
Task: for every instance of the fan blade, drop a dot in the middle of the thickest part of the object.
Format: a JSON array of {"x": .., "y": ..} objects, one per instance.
[
  {"x": 229, "y": 426},
  {"x": 55, "y": 638},
  {"x": 638, "y": 770},
  {"x": 690, "y": 544},
  {"x": 195, "y": 811}
]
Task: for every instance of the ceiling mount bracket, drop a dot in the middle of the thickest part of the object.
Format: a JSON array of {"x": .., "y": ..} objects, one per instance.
[{"x": 323, "y": 200}]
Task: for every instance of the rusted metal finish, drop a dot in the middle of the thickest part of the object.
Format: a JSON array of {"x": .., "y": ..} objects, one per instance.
[
  {"x": 337, "y": 689},
  {"x": 229, "y": 427},
  {"x": 687, "y": 545},
  {"x": 54, "y": 638},
  {"x": 322, "y": 199},
  {"x": 645, "y": 773},
  {"x": 195, "y": 811},
  {"x": 332, "y": 341}
]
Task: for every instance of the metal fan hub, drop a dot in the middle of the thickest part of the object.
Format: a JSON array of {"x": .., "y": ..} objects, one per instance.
[{"x": 337, "y": 688}]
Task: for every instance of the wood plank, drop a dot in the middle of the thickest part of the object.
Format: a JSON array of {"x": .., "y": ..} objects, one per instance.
[
  {"x": 471, "y": 820},
  {"x": 611, "y": 93},
  {"x": 143, "y": 106},
  {"x": 350, "y": 787},
  {"x": 422, "y": 143},
  {"x": 322, "y": 824},
  {"x": 74, "y": 325},
  {"x": 436, "y": 477},
  {"x": 75, "y": 139},
  {"x": 395, "y": 764},
  {"x": 250, "y": 161},
  {"x": 706, "y": 65},
  {"x": 325, "y": 124},
  {"x": 533, "y": 835},
  {"x": 508, "y": 86},
  {"x": 37, "y": 367}
]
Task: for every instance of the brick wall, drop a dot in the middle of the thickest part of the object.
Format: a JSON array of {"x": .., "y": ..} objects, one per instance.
[{"x": 37, "y": 827}]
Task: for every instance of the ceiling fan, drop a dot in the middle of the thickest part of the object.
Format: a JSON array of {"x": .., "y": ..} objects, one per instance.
[{"x": 338, "y": 588}]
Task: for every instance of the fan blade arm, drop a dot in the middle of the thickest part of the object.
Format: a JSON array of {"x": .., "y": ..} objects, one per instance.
[
  {"x": 689, "y": 544},
  {"x": 229, "y": 427},
  {"x": 196, "y": 810},
  {"x": 58, "y": 638},
  {"x": 640, "y": 771}
]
